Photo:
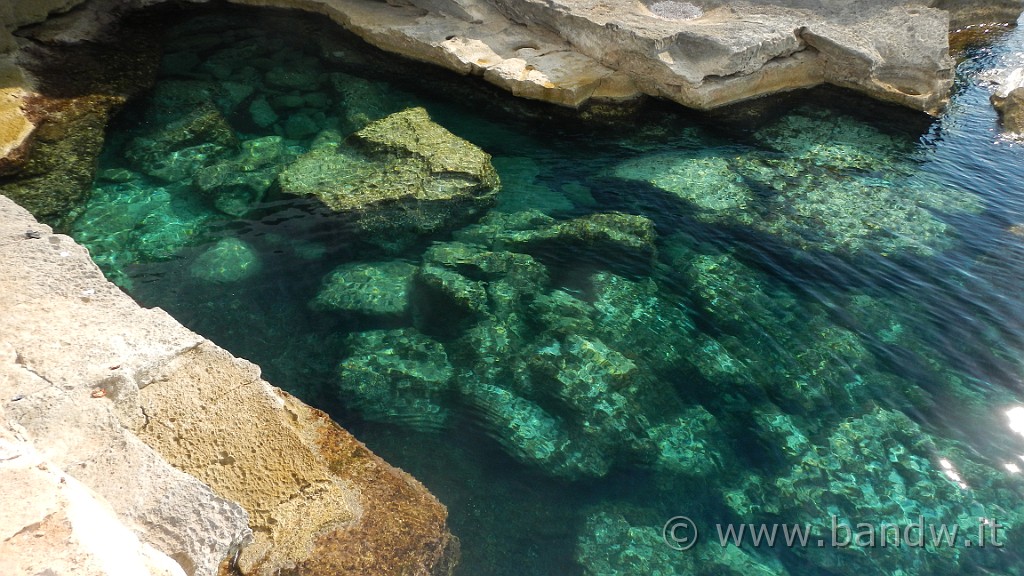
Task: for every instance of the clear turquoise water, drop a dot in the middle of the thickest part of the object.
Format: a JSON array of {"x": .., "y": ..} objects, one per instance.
[{"x": 828, "y": 320}]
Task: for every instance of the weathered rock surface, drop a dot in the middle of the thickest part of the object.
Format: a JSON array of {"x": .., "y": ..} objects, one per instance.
[
  {"x": 1009, "y": 102},
  {"x": 704, "y": 54},
  {"x": 967, "y": 12},
  {"x": 615, "y": 50},
  {"x": 187, "y": 446},
  {"x": 56, "y": 525}
]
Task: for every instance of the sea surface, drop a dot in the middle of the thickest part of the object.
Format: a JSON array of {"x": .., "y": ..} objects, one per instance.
[{"x": 805, "y": 311}]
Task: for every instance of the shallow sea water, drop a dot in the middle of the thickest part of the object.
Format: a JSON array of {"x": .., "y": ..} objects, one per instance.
[{"x": 826, "y": 322}]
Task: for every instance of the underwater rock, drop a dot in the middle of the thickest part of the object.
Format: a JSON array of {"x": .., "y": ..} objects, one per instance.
[
  {"x": 691, "y": 444},
  {"x": 739, "y": 297},
  {"x": 601, "y": 388},
  {"x": 459, "y": 280},
  {"x": 175, "y": 151},
  {"x": 490, "y": 351},
  {"x": 561, "y": 313},
  {"x": 846, "y": 187},
  {"x": 632, "y": 317},
  {"x": 235, "y": 184},
  {"x": 57, "y": 178},
  {"x": 371, "y": 288},
  {"x": 134, "y": 222},
  {"x": 609, "y": 545},
  {"x": 262, "y": 113},
  {"x": 607, "y": 237},
  {"x": 363, "y": 101},
  {"x": 441, "y": 291},
  {"x": 297, "y": 75},
  {"x": 705, "y": 180},
  {"x": 521, "y": 270},
  {"x": 617, "y": 540},
  {"x": 396, "y": 376},
  {"x": 229, "y": 260},
  {"x": 881, "y": 468},
  {"x": 530, "y": 434},
  {"x": 809, "y": 363},
  {"x": 623, "y": 235},
  {"x": 496, "y": 229},
  {"x": 821, "y": 181},
  {"x": 299, "y": 126},
  {"x": 401, "y": 177}
]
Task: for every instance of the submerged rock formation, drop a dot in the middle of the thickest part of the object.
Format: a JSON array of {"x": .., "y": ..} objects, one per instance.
[
  {"x": 400, "y": 177},
  {"x": 119, "y": 427}
]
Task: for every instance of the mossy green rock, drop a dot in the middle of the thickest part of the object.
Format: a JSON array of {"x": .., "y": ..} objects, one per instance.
[
  {"x": 596, "y": 235},
  {"x": 402, "y": 176}
]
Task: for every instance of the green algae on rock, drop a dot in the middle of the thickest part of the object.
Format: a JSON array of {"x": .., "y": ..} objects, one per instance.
[
  {"x": 612, "y": 237},
  {"x": 401, "y": 177}
]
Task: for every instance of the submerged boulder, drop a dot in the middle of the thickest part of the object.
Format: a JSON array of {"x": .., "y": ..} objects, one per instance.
[
  {"x": 178, "y": 149},
  {"x": 400, "y": 177},
  {"x": 609, "y": 237},
  {"x": 371, "y": 288},
  {"x": 230, "y": 260},
  {"x": 235, "y": 184},
  {"x": 396, "y": 376},
  {"x": 532, "y": 435}
]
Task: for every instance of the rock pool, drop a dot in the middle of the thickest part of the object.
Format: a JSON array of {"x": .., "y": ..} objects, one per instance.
[{"x": 804, "y": 311}]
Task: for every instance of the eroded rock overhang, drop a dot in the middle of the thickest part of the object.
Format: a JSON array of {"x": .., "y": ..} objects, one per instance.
[{"x": 703, "y": 54}]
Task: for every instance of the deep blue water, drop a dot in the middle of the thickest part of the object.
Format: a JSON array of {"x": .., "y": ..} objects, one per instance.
[{"x": 827, "y": 321}]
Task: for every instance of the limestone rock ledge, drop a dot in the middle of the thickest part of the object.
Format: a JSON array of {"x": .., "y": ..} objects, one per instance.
[
  {"x": 703, "y": 54},
  {"x": 130, "y": 445}
]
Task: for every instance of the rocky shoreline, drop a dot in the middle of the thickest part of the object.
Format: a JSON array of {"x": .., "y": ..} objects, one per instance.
[
  {"x": 186, "y": 455},
  {"x": 115, "y": 419}
]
